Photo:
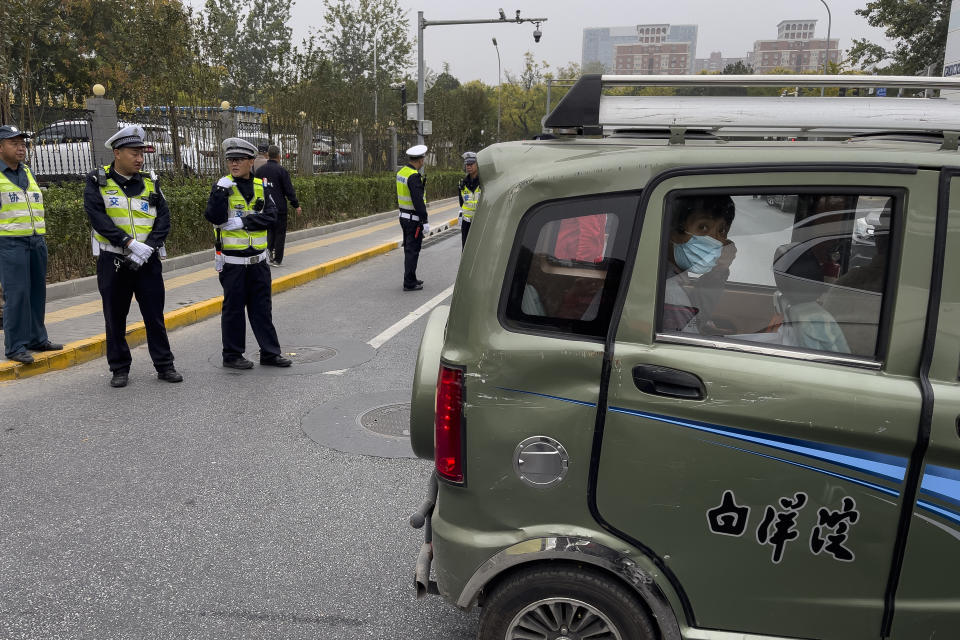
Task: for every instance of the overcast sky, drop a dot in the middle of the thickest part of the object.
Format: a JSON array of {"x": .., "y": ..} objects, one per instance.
[{"x": 730, "y": 26}]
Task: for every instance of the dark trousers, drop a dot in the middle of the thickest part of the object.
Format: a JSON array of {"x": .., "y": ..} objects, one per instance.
[
  {"x": 118, "y": 285},
  {"x": 247, "y": 287},
  {"x": 464, "y": 230},
  {"x": 277, "y": 236},
  {"x": 23, "y": 276},
  {"x": 412, "y": 241}
]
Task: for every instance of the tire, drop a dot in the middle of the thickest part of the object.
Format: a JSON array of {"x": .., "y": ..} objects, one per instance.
[{"x": 568, "y": 600}]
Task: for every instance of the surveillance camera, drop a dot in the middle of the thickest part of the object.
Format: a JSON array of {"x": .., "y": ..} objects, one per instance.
[
  {"x": 503, "y": 16},
  {"x": 536, "y": 35}
]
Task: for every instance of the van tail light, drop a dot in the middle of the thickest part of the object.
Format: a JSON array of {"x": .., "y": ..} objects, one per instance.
[{"x": 448, "y": 425}]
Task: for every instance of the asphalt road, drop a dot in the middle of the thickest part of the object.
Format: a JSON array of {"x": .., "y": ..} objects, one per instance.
[{"x": 236, "y": 504}]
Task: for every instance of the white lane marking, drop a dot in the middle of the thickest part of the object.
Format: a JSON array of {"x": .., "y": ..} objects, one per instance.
[
  {"x": 411, "y": 317},
  {"x": 338, "y": 372}
]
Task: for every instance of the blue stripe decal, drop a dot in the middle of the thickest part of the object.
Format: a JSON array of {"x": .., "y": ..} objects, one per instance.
[
  {"x": 543, "y": 395},
  {"x": 890, "y": 468},
  {"x": 942, "y": 483},
  {"x": 940, "y": 511},
  {"x": 869, "y": 485}
]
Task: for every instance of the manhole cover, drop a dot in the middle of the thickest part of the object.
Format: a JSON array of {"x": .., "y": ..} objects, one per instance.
[
  {"x": 388, "y": 420},
  {"x": 310, "y": 354}
]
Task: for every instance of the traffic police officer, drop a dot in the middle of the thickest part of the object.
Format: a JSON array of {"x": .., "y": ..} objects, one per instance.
[
  {"x": 242, "y": 214},
  {"x": 130, "y": 221},
  {"x": 23, "y": 252},
  {"x": 469, "y": 193},
  {"x": 412, "y": 202}
]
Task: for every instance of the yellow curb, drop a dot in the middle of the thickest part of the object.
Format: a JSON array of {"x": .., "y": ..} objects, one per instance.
[{"x": 89, "y": 349}]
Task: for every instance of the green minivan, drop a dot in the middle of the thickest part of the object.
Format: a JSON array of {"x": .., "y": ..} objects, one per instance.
[{"x": 700, "y": 374}]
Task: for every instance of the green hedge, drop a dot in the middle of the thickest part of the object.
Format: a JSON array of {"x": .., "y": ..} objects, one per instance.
[{"x": 325, "y": 199}]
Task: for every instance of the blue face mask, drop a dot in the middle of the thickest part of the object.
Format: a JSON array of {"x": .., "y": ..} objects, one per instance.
[{"x": 699, "y": 254}]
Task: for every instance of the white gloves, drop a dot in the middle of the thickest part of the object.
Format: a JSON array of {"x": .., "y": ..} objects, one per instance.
[
  {"x": 137, "y": 259},
  {"x": 139, "y": 249},
  {"x": 225, "y": 183},
  {"x": 232, "y": 224},
  {"x": 426, "y": 228}
]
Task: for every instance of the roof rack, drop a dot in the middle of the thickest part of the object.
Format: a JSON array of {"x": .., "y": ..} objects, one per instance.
[{"x": 585, "y": 110}]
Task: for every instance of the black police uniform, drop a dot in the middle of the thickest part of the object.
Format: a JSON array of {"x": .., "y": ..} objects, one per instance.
[
  {"x": 413, "y": 232},
  {"x": 277, "y": 184},
  {"x": 245, "y": 286},
  {"x": 118, "y": 282}
]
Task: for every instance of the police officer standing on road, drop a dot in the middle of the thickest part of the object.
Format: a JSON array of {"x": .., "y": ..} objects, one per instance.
[
  {"x": 411, "y": 198},
  {"x": 242, "y": 213},
  {"x": 469, "y": 193},
  {"x": 23, "y": 252},
  {"x": 130, "y": 221}
]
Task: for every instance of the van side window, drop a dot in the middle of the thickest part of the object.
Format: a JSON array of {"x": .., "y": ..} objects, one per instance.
[
  {"x": 799, "y": 270},
  {"x": 567, "y": 264}
]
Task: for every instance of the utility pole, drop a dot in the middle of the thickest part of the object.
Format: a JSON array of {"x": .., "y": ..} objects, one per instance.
[{"x": 423, "y": 23}]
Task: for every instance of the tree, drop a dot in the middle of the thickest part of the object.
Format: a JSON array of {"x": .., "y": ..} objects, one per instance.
[
  {"x": 918, "y": 29},
  {"x": 248, "y": 43},
  {"x": 524, "y": 100}
]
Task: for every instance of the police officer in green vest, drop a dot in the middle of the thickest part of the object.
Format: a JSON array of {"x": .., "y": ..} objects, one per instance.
[
  {"x": 411, "y": 199},
  {"x": 241, "y": 213},
  {"x": 130, "y": 221},
  {"x": 23, "y": 252},
  {"x": 469, "y": 194}
]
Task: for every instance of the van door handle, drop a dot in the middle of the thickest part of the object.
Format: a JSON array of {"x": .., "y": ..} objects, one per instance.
[{"x": 672, "y": 383}]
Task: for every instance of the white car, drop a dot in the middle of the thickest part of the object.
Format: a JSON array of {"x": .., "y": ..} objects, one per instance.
[{"x": 63, "y": 149}]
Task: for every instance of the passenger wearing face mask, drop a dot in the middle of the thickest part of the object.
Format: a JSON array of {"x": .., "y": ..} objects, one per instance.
[{"x": 698, "y": 245}]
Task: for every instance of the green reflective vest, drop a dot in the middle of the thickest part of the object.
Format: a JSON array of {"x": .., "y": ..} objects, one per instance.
[
  {"x": 21, "y": 212},
  {"x": 240, "y": 239},
  {"x": 404, "y": 197},
  {"x": 470, "y": 200},
  {"x": 135, "y": 215}
]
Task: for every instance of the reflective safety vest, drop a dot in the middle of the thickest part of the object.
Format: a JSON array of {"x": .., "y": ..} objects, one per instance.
[
  {"x": 240, "y": 239},
  {"x": 21, "y": 212},
  {"x": 404, "y": 197},
  {"x": 134, "y": 216},
  {"x": 470, "y": 200}
]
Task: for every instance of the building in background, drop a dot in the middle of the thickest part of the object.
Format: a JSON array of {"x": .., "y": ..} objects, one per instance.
[
  {"x": 600, "y": 46},
  {"x": 663, "y": 58},
  {"x": 796, "y": 48},
  {"x": 716, "y": 63},
  {"x": 951, "y": 53}
]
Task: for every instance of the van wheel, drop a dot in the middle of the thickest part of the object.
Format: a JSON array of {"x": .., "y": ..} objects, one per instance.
[{"x": 548, "y": 603}]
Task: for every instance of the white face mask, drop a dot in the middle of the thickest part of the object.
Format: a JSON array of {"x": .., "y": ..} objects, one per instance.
[{"x": 699, "y": 254}]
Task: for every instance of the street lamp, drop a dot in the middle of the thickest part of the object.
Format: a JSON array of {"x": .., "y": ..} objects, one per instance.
[
  {"x": 499, "y": 88},
  {"x": 826, "y": 59},
  {"x": 423, "y": 24},
  {"x": 376, "y": 32}
]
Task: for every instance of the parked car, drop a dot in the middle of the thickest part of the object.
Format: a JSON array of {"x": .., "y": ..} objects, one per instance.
[
  {"x": 63, "y": 149},
  {"x": 658, "y": 408}
]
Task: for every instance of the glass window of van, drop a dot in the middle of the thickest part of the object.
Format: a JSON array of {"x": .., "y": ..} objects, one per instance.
[
  {"x": 802, "y": 271},
  {"x": 567, "y": 264}
]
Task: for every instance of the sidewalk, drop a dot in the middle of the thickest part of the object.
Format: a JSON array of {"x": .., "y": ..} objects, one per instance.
[{"x": 193, "y": 293}]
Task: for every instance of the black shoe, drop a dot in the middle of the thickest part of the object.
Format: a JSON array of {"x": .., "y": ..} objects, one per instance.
[
  {"x": 238, "y": 363},
  {"x": 419, "y": 281},
  {"x": 22, "y": 356},
  {"x": 415, "y": 287},
  {"x": 119, "y": 379},
  {"x": 48, "y": 346},
  {"x": 275, "y": 361},
  {"x": 170, "y": 375}
]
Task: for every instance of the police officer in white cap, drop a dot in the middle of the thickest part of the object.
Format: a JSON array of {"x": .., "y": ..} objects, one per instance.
[
  {"x": 130, "y": 221},
  {"x": 242, "y": 213},
  {"x": 411, "y": 199}
]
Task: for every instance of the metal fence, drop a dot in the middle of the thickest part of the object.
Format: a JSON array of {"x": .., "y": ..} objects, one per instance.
[
  {"x": 188, "y": 140},
  {"x": 60, "y": 144}
]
